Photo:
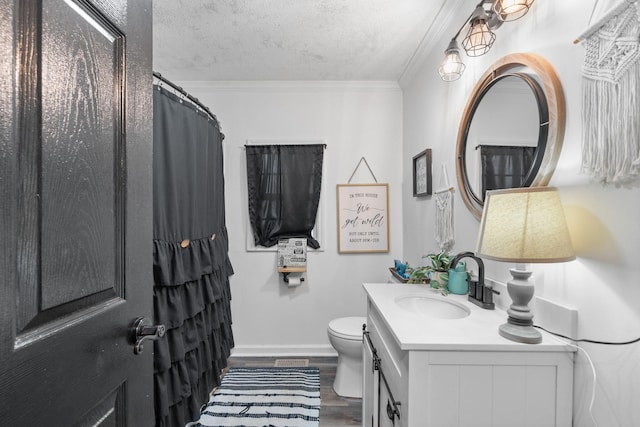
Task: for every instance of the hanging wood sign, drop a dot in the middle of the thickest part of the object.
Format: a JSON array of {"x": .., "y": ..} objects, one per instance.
[{"x": 363, "y": 217}]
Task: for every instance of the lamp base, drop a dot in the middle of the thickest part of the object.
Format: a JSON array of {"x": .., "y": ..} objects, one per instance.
[
  {"x": 519, "y": 326},
  {"x": 520, "y": 333}
]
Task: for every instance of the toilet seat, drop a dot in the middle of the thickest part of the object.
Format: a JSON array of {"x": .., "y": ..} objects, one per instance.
[{"x": 347, "y": 328}]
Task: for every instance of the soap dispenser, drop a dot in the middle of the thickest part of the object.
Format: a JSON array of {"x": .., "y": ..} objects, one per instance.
[{"x": 458, "y": 283}]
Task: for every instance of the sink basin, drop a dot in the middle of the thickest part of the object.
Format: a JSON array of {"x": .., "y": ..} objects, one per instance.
[{"x": 432, "y": 307}]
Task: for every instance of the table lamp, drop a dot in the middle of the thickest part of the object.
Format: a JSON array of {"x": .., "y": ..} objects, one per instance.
[{"x": 523, "y": 225}]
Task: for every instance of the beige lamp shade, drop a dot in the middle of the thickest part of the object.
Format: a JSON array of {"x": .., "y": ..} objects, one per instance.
[{"x": 524, "y": 225}]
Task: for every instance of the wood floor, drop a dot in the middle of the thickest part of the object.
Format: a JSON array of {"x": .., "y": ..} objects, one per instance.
[{"x": 335, "y": 411}]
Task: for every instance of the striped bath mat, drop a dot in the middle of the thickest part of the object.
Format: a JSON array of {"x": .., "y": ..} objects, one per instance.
[{"x": 265, "y": 397}]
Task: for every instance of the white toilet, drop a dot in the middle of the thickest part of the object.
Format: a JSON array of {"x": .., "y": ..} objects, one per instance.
[{"x": 345, "y": 335}]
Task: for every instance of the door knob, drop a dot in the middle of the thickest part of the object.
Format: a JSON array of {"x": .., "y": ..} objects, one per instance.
[{"x": 142, "y": 330}]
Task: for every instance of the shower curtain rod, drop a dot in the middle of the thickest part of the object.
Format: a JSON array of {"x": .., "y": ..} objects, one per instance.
[{"x": 187, "y": 95}]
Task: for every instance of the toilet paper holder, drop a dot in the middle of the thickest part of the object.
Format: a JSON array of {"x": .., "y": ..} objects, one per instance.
[
  {"x": 288, "y": 270},
  {"x": 285, "y": 277}
]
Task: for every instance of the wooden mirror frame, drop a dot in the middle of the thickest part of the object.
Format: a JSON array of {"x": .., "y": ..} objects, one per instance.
[{"x": 550, "y": 83}]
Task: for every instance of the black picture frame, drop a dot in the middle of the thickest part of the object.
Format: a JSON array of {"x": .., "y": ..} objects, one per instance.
[{"x": 422, "y": 185}]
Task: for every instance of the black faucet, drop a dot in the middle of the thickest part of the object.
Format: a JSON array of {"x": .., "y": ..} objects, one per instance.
[{"x": 479, "y": 294}]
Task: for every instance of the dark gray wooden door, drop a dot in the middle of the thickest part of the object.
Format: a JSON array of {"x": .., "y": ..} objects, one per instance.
[{"x": 75, "y": 212}]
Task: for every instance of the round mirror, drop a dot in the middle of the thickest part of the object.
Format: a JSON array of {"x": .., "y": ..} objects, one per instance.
[{"x": 511, "y": 130}]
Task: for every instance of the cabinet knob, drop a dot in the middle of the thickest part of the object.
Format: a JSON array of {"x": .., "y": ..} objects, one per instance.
[{"x": 390, "y": 412}]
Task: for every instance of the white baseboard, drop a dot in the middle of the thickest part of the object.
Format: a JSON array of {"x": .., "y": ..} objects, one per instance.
[{"x": 283, "y": 350}]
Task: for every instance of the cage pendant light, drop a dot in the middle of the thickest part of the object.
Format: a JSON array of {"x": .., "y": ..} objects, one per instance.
[
  {"x": 452, "y": 66},
  {"x": 510, "y": 10},
  {"x": 479, "y": 38},
  {"x": 487, "y": 17}
]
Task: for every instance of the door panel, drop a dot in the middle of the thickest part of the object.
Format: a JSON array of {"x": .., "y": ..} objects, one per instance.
[
  {"x": 108, "y": 412},
  {"x": 78, "y": 216},
  {"x": 82, "y": 198},
  {"x": 76, "y": 211}
]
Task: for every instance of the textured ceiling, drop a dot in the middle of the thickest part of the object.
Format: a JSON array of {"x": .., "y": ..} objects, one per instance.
[{"x": 197, "y": 40}]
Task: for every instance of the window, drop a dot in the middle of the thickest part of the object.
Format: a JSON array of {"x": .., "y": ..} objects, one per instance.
[
  {"x": 505, "y": 166},
  {"x": 284, "y": 187}
]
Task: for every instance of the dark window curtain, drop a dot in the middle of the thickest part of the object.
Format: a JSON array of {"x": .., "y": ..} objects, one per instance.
[
  {"x": 190, "y": 259},
  {"x": 284, "y": 191},
  {"x": 504, "y": 166}
]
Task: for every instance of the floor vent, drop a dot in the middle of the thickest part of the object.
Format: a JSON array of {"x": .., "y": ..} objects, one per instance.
[{"x": 291, "y": 363}]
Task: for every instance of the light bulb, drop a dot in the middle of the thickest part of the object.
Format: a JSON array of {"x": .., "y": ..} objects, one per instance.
[
  {"x": 479, "y": 38},
  {"x": 452, "y": 66},
  {"x": 510, "y": 10}
]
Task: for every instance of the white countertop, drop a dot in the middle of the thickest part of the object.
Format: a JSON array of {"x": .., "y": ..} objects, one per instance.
[{"x": 476, "y": 332}]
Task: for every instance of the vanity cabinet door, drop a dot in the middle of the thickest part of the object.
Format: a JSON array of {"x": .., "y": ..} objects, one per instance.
[
  {"x": 370, "y": 384},
  {"x": 515, "y": 389},
  {"x": 386, "y": 416}
]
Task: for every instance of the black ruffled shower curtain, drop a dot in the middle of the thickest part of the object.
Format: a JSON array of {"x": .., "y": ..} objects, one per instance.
[{"x": 190, "y": 258}]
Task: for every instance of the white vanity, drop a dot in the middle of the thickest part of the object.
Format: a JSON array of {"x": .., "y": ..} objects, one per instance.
[{"x": 438, "y": 361}]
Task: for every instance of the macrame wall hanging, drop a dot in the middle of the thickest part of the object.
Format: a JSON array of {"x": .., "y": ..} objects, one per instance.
[
  {"x": 611, "y": 87},
  {"x": 444, "y": 213}
]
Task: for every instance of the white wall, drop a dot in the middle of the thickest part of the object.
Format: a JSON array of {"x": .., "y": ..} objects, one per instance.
[
  {"x": 603, "y": 282},
  {"x": 354, "y": 119},
  {"x": 388, "y": 127}
]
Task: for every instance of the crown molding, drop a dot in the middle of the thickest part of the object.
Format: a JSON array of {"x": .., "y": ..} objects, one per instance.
[
  {"x": 291, "y": 86},
  {"x": 450, "y": 11}
]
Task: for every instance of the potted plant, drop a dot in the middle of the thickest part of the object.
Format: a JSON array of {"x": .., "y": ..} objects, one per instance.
[
  {"x": 419, "y": 274},
  {"x": 436, "y": 274}
]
